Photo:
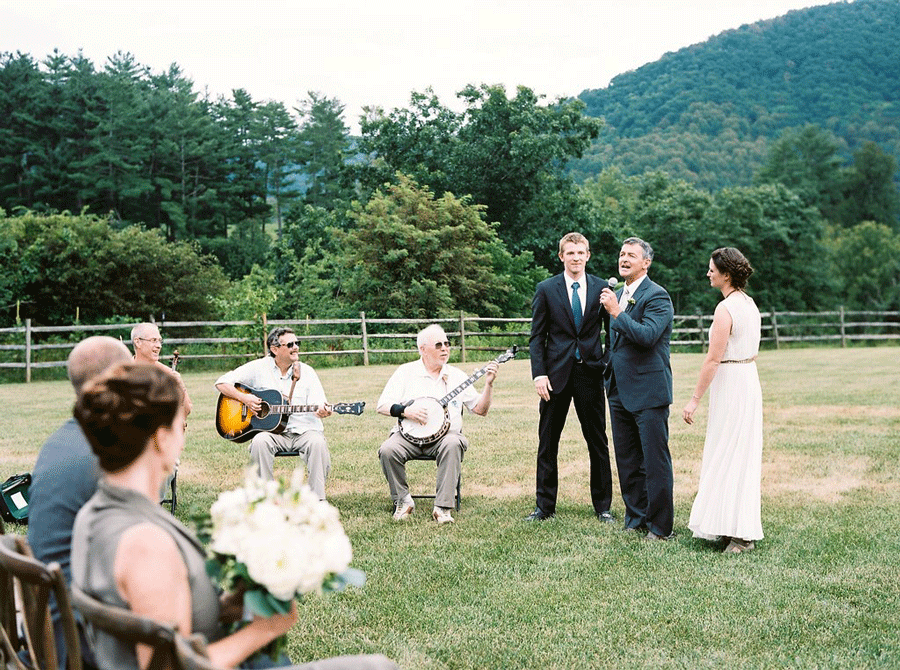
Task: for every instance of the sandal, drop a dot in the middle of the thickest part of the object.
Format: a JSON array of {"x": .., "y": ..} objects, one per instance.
[{"x": 738, "y": 546}]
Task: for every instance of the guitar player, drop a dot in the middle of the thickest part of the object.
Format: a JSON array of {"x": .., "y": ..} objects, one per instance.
[
  {"x": 410, "y": 395},
  {"x": 283, "y": 371}
]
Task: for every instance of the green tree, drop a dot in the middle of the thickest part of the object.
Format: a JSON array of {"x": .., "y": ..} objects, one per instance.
[
  {"x": 670, "y": 216},
  {"x": 867, "y": 260},
  {"x": 324, "y": 147},
  {"x": 24, "y": 101},
  {"x": 783, "y": 237},
  {"x": 278, "y": 150},
  {"x": 244, "y": 191},
  {"x": 870, "y": 192},
  {"x": 120, "y": 145},
  {"x": 806, "y": 161},
  {"x": 415, "y": 255},
  {"x": 507, "y": 154}
]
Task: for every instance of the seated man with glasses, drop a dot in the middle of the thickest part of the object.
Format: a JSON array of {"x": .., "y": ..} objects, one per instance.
[
  {"x": 147, "y": 343},
  {"x": 411, "y": 396},
  {"x": 299, "y": 384}
]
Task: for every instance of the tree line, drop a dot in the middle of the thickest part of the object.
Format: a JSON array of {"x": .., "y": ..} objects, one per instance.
[{"x": 126, "y": 194}]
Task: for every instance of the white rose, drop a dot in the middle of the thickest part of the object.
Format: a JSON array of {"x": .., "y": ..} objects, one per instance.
[{"x": 277, "y": 565}]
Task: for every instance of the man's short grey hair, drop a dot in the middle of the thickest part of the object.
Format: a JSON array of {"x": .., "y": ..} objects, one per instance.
[
  {"x": 425, "y": 332},
  {"x": 648, "y": 250},
  {"x": 140, "y": 328}
]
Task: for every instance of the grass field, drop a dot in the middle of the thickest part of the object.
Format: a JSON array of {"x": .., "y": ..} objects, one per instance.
[{"x": 491, "y": 591}]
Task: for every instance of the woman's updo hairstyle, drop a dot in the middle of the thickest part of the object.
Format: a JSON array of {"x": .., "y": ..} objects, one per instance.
[
  {"x": 733, "y": 263},
  {"x": 121, "y": 409}
]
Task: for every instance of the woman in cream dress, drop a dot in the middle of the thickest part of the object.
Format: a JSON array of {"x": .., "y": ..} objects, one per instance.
[{"x": 728, "y": 499}]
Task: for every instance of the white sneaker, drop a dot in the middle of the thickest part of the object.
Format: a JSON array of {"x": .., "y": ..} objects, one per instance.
[
  {"x": 441, "y": 515},
  {"x": 403, "y": 510}
]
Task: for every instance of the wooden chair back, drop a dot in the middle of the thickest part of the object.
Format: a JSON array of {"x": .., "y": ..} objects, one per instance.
[
  {"x": 129, "y": 627},
  {"x": 28, "y": 582},
  {"x": 191, "y": 653}
]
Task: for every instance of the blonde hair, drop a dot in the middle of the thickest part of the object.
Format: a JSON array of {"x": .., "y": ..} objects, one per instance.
[{"x": 576, "y": 238}]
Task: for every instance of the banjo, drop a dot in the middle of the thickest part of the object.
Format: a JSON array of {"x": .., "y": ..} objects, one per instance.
[{"x": 438, "y": 415}]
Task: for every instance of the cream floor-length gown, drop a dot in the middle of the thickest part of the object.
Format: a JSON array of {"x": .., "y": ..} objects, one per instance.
[{"x": 728, "y": 498}]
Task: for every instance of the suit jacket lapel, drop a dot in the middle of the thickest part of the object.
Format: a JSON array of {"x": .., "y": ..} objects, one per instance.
[{"x": 565, "y": 301}]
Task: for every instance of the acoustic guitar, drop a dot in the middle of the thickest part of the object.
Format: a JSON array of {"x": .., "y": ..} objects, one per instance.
[{"x": 235, "y": 421}]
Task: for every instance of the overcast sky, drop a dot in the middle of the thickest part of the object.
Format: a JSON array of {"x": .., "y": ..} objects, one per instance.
[{"x": 375, "y": 52}]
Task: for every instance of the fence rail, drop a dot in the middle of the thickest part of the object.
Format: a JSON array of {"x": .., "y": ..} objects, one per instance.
[{"x": 21, "y": 346}]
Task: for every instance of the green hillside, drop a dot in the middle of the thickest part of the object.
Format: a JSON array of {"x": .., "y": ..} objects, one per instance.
[{"x": 708, "y": 113}]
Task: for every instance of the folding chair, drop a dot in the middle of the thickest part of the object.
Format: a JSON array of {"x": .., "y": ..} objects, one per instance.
[
  {"x": 172, "y": 500},
  {"x": 129, "y": 627},
  {"x": 25, "y": 579},
  {"x": 432, "y": 496}
]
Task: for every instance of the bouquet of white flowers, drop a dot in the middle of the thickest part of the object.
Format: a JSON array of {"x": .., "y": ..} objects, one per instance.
[{"x": 276, "y": 541}]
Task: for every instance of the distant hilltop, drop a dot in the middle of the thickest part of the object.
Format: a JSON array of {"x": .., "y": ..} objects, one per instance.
[{"x": 709, "y": 112}]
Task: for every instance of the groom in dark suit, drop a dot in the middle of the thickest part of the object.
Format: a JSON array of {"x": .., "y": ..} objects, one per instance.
[
  {"x": 567, "y": 362},
  {"x": 639, "y": 388}
]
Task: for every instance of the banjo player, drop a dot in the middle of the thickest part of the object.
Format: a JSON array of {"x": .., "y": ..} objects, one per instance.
[{"x": 410, "y": 395}]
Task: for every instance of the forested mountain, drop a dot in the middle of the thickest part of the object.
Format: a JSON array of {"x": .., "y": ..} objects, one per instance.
[{"x": 709, "y": 113}]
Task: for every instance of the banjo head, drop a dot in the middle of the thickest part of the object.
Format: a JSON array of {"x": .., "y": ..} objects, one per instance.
[{"x": 432, "y": 430}]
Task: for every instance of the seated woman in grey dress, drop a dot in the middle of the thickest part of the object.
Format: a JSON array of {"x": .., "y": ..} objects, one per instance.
[{"x": 129, "y": 552}]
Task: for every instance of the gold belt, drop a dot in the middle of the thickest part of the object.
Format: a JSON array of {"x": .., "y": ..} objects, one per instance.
[{"x": 743, "y": 360}]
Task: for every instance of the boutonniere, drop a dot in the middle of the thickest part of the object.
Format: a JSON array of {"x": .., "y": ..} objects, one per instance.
[{"x": 630, "y": 301}]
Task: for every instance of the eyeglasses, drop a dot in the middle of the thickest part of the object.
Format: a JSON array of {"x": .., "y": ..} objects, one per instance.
[
  {"x": 289, "y": 345},
  {"x": 152, "y": 340},
  {"x": 441, "y": 345}
]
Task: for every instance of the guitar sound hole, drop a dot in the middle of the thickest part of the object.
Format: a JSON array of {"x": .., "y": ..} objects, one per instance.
[{"x": 263, "y": 411}]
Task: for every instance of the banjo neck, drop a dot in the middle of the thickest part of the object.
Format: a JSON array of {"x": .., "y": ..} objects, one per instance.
[{"x": 459, "y": 389}]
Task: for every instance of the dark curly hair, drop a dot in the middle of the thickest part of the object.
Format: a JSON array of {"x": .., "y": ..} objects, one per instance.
[
  {"x": 121, "y": 409},
  {"x": 730, "y": 261}
]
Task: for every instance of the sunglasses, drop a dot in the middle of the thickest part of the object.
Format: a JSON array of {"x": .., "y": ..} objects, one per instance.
[
  {"x": 290, "y": 345},
  {"x": 441, "y": 345}
]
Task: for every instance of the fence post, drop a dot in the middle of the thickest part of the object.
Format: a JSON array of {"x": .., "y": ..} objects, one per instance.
[
  {"x": 462, "y": 337},
  {"x": 265, "y": 331},
  {"x": 365, "y": 337},
  {"x": 775, "y": 329},
  {"x": 843, "y": 330},
  {"x": 27, "y": 350}
]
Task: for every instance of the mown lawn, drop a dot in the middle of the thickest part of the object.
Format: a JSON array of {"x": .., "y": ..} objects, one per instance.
[{"x": 491, "y": 591}]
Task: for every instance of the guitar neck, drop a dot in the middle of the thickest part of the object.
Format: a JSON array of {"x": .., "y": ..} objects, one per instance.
[{"x": 292, "y": 409}]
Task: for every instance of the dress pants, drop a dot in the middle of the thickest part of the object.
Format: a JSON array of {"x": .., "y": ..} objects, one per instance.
[
  {"x": 448, "y": 453},
  {"x": 641, "y": 442},
  {"x": 313, "y": 450},
  {"x": 585, "y": 386}
]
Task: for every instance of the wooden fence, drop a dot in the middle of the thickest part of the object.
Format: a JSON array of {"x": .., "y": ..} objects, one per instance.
[{"x": 364, "y": 338}]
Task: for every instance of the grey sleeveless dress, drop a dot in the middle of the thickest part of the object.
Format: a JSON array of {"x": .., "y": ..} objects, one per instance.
[{"x": 98, "y": 529}]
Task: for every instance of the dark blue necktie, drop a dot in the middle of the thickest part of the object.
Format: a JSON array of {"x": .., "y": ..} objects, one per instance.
[{"x": 576, "y": 313}]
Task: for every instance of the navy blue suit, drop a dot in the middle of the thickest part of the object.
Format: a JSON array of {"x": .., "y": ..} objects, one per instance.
[
  {"x": 639, "y": 388},
  {"x": 552, "y": 348}
]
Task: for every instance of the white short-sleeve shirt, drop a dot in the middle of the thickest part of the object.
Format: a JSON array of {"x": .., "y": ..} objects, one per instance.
[{"x": 411, "y": 381}]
